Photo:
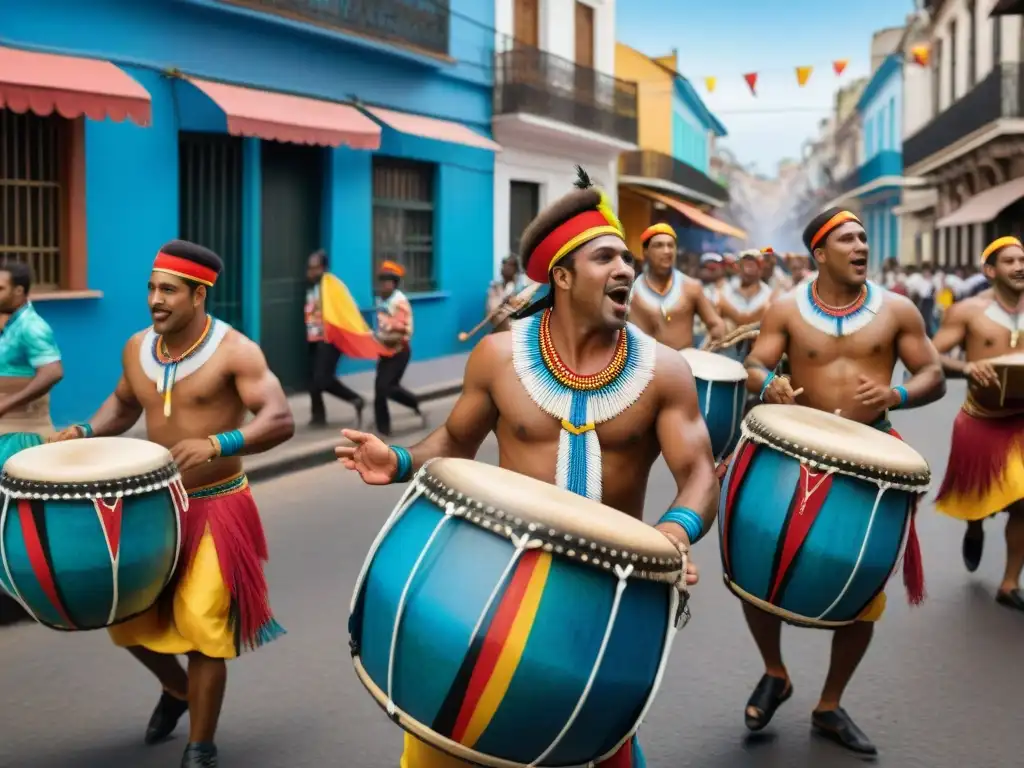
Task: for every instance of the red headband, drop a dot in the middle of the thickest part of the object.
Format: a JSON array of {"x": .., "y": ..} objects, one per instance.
[
  {"x": 184, "y": 268},
  {"x": 565, "y": 238}
]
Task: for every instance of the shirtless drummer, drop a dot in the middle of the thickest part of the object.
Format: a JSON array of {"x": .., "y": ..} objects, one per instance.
[
  {"x": 195, "y": 380},
  {"x": 643, "y": 392},
  {"x": 983, "y": 475},
  {"x": 842, "y": 335},
  {"x": 664, "y": 300}
]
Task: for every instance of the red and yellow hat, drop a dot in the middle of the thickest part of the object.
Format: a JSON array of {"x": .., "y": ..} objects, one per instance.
[
  {"x": 189, "y": 261},
  {"x": 391, "y": 269},
  {"x": 657, "y": 229}
]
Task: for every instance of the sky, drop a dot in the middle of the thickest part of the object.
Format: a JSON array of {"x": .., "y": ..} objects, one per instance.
[{"x": 728, "y": 38}]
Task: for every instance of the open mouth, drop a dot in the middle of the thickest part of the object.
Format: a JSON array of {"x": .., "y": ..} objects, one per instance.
[
  {"x": 619, "y": 295},
  {"x": 859, "y": 263}
]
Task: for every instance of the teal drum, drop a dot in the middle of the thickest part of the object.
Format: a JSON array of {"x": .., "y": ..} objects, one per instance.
[
  {"x": 90, "y": 530},
  {"x": 509, "y": 623},
  {"x": 721, "y": 395},
  {"x": 815, "y": 513}
]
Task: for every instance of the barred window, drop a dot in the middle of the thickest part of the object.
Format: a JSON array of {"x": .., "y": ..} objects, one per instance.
[
  {"x": 403, "y": 220},
  {"x": 33, "y": 195}
]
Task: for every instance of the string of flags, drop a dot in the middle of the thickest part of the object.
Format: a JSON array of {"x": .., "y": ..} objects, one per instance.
[{"x": 919, "y": 54}]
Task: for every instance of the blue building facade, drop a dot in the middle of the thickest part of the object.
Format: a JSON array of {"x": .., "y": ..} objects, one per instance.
[
  {"x": 880, "y": 175},
  {"x": 424, "y": 196}
]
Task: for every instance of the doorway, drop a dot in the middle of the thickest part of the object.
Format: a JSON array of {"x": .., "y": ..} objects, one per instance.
[
  {"x": 524, "y": 203},
  {"x": 291, "y": 206}
]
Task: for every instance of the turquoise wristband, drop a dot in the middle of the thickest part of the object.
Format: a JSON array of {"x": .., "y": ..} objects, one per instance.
[
  {"x": 688, "y": 520},
  {"x": 230, "y": 442},
  {"x": 404, "y": 471},
  {"x": 85, "y": 429},
  {"x": 764, "y": 387},
  {"x": 902, "y": 392}
]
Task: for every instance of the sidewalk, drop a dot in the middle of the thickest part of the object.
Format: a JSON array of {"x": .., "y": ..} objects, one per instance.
[{"x": 430, "y": 379}]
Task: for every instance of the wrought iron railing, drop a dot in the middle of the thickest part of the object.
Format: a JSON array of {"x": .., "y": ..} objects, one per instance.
[
  {"x": 422, "y": 24},
  {"x": 539, "y": 83},
  {"x": 998, "y": 95},
  {"x": 654, "y": 165}
]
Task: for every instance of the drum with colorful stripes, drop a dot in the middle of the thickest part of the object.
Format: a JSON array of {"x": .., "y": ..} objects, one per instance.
[
  {"x": 721, "y": 395},
  {"x": 814, "y": 512},
  {"x": 510, "y": 623},
  {"x": 90, "y": 529}
]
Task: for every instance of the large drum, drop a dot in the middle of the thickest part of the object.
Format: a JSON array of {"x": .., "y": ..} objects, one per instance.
[
  {"x": 814, "y": 513},
  {"x": 721, "y": 394},
  {"x": 510, "y": 623},
  {"x": 90, "y": 530}
]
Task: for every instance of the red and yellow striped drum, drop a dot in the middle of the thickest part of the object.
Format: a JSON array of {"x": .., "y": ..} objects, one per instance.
[{"x": 509, "y": 623}]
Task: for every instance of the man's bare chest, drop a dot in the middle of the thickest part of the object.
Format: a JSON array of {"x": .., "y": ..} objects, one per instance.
[
  {"x": 988, "y": 337},
  {"x": 870, "y": 343}
]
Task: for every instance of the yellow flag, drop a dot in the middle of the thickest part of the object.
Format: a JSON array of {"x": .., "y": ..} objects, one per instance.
[
  {"x": 710, "y": 83},
  {"x": 803, "y": 74},
  {"x": 920, "y": 54}
]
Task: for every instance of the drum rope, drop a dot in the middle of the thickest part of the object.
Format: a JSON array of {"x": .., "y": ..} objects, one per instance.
[
  {"x": 521, "y": 545},
  {"x": 181, "y": 501},
  {"x": 620, "y": 588},
  {"x": 3, "y": 558},
  {"x": 882, "y": 488},
  {"x": 450, "y": 511}
]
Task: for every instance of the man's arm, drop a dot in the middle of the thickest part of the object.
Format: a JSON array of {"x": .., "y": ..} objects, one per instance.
[
  {"x": 769, "y": 347},
  {"x": 706, "y": 311},
  {"x": 122, "y": 409},
  {"x": 927, "y": 382},
  {"x": 685, "y": 444},
  {"x": 261, "y": 393},
  {"x": 474, "y": 416},
  {"x": 44, "y": 357},
  {"x": 952, "y": 334}
]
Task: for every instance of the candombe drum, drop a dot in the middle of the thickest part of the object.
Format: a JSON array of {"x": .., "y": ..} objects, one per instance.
[
  {"x": 90, "y": 530},
  {"x": 814, "y": 512},
  {"x": 510, "y": 623},
  {"x": 721, "y": 395}
]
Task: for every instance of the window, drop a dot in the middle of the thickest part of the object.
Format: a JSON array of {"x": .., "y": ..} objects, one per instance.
[
  {"x": 972, "y": 42},
  {"x": 997, "y": 41},
  {"x": 880, "y": 130},
  {"x": 952, "y": 62},
  {"x": 524, "y": 204},
  {"x": 403, "y": 219},
  {"x": 39, "y": 157}
]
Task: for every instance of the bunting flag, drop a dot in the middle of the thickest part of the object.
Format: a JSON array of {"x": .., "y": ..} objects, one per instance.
[
  {"x": 920, "y": 55},
  {"x": 344, "y": 326},
  {"x": 751, "y": 78},
  {"x": 839, "y": 66},
  {"x": 709, "y": 83},
  {"x": 803, "y": 74}
]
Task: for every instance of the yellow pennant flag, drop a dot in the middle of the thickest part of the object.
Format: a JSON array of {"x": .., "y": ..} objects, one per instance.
[
  {"x": 803, "y": 74},
  {"x": 920, "y": 54},
  {"x": 710, "y": 83}
]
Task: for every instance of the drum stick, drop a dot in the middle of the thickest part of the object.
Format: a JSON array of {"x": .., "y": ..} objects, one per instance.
[{"x": 526, "y": 294}]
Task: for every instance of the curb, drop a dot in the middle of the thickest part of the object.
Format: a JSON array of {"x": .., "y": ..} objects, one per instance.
[{"x": 320, "y": 452}]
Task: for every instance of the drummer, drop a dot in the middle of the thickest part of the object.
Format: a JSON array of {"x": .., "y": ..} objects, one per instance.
[
  {"x": 843, "y": 336},
  {"x": 503, "y": 290},
  {"x": 744, "y": 300},
  {"x": 573, "y": 346},
  {"x": 195, "y": 380},
  {"x": 664, "y": 301},
  {"x": 983, "y": 475}
]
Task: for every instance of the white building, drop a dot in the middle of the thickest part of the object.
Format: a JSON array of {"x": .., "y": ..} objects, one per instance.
[{"x": 557, "y": 104}]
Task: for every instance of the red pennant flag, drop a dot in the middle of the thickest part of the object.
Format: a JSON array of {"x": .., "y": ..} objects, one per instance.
[
  {"x": 839, "y": 66},
  {"x": 751, "y": 78}
]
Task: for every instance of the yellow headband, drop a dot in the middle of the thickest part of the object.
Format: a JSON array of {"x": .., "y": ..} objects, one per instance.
[
  {"x": 657, "y": 229},
  {"x": 997, "y": 245}
]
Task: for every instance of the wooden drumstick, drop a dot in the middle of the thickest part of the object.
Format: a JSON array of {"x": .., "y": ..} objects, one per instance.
[{"x": 526, "y": 294}]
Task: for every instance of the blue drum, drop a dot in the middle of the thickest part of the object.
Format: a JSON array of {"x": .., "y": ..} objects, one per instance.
[
  {"x": 814, "y": 513},
  {"x": 721, "y": 394},
  {"x": 507, "y": 622},
  {"x": 90, "y": 530}
]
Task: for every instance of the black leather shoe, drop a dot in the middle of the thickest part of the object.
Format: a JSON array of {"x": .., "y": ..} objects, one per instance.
[
  {"x": 973, "y": 546},
  {"x": 1013, "y": 598},
  {"x": 838, "y": 726},
  {"x": 199, "y": 756},
  {"x": 165, "y": 718}
]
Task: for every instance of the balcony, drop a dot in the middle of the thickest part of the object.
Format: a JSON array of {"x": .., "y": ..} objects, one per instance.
[
  {"x": 998, "y": 96},
  {"x": 647, "y": 164},
  {"x": 534, "y": 82},
  {"x": 420, "y": 24}
]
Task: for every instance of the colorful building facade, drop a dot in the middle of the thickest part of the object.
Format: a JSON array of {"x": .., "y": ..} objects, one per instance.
[{"x": 269, "y": 130}]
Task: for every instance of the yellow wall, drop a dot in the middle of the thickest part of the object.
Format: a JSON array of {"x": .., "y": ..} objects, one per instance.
[
  {"x": 635, "y": 215},
  {"x": 654, "y": 96}
]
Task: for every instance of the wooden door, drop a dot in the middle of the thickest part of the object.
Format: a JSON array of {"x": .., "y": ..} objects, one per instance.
[
  {"x": 526, "y": 22},
  {"x": 584, "y": 53}
]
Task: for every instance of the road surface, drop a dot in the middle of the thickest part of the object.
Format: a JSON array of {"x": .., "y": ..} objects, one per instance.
[{"x": 940, "y": 688}]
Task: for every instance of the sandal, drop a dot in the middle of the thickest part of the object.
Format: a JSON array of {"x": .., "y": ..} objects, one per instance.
[{"x": 770, "y": 693}]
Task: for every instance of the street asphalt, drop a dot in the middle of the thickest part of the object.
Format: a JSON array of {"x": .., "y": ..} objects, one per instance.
[{"x": 940, "y": 688}]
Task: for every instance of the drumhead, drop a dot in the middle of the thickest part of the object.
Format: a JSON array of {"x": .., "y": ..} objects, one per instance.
[
  {"x": 566, "y": 523},
  {"x": 833, "y": 441},
  {"x": 88, "y": 460},
  {"x": 711, "y": 366},
  {"x": 1012, "y": 360}
]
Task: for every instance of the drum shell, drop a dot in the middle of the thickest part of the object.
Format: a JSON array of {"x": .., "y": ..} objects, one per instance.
[
  {"x": 56, "y": 554},
  {"x": 843, "y": 563},
  {"x": 437, "y": 668},
  {"x": 722, "y": 405}
]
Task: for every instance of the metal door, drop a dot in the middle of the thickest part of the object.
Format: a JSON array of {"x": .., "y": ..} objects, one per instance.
[{"x": 292, "y": 190}]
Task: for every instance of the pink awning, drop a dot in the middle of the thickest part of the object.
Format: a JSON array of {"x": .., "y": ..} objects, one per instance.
[
  {"x": 432, "y": 128},
  {"x": 71, "y": 86},
  {"x": 292, "y": 119}
]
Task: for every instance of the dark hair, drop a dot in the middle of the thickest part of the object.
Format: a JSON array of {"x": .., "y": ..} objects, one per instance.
[
  {"x": 320, "y": 254},
  {"x": 568, "y": 262},
  {"x": 195, "y": 253},
  {"x": 21, "y": 275}
]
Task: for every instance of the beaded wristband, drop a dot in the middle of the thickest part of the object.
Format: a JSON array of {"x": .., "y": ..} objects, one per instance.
[
  {"x": 229, "y": 443},
  {"x": 902, "y": 392},
  {"x": 404, "y": 458},
  {"x": 688, "y": 520},
  {"x": 764, "y": 387},
  {"x": 85, "y": 429}
]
